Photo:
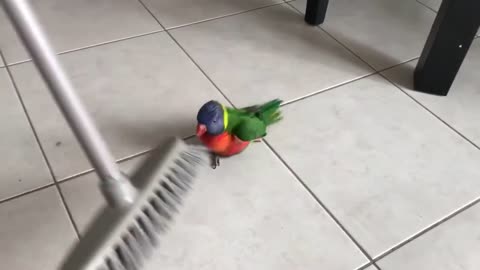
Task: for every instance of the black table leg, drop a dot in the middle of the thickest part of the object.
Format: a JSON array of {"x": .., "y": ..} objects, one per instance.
[
  {"x": 315, "y": 12},
  {"x": 452, "y": 34}
]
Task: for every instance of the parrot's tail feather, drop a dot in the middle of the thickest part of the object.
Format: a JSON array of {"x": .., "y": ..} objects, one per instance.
[{"x": 269, "y": 112}]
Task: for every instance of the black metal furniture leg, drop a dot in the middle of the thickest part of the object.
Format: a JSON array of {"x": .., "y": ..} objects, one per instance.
[
  {"x": 315, "y": 12},
  {"x": 452, "y": 34}
]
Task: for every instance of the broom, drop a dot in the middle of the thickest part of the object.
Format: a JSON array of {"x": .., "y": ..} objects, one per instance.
[{"x": 125, "y": 232}]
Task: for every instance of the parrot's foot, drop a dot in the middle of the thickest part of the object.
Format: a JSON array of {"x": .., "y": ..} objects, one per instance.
[{"x": 215, "y": 161}]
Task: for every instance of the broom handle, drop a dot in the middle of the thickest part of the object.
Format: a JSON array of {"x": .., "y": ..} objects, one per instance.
[{"x": 34, "y": 39}]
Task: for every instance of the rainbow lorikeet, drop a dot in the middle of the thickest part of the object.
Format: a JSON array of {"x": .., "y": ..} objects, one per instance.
[{"x": 228, "y": 131}]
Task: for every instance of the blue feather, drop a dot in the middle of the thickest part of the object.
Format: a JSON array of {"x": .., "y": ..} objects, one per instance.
[{"x": 211, "y": 115}]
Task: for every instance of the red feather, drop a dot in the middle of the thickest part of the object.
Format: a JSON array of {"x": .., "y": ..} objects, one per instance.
[{"x": 224, "y": 144}]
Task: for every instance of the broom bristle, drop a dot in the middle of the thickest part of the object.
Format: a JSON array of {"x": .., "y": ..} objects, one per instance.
[{"x": 124, "y": 238}]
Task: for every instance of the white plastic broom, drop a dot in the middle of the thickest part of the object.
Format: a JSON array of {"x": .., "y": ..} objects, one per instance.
[{"x": 139, "y": 208}]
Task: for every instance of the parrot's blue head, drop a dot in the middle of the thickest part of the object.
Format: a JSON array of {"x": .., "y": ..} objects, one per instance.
[{"x": 211, "y": 119}]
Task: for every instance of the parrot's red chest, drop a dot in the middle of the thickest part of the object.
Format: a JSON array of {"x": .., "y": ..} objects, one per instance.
[{"x": 224, "y": 144}]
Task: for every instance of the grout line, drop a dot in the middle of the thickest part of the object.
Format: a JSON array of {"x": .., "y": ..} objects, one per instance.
[
  {"x": 141, "y": 153},
  {"x": 94, "y": 45},
  {"x": 343, "y": 83},
  {"x": 380, "y": 73},
  {"x": 67, "y": 209},
  {"x": 76, "y": 175},
  {"x": 124, "y": 159},
  {"x": 351, "y": 51},
  {"x": 426, "y": 229},
  {"x": 315, "y": 197},
  {"x": 367, "y": 265},
  {"x": 201, "y": 70},
  {"x": 221, "y": 16},
  {"x": 448, "y": 216},
  {"x": 26, "y": 193},
  {"x": 399, "y": 64},
  {"x": 289, "y": 3},
  {"x": 292, "y": 101},
  {"x": 188, "y": 55},
  {"x": 164, "y": 29},
  {"x": 374, "y": 263},
  {"x": 338, "y": 41},
  {"x": 39, "y": 144},
  {"x": 19, "y": 62},
  {"x": 90, "y": 170},
  {"x": 422, "y": 4},
  {"x": 432, "y": 113},
  {"x": 364, "y": 266}
]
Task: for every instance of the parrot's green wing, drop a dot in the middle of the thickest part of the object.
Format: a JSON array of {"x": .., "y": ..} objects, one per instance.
[
  {"x": 250, "y": 129},
  {"x": 251, "y": 123},
  {"x": 268, "y": 112}
]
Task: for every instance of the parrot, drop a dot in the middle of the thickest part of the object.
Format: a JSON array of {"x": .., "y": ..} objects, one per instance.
[{"x": 227, "y": 131}]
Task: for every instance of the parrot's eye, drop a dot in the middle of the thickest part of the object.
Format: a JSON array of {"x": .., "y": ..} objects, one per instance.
[{"x": 214, "y": 121}]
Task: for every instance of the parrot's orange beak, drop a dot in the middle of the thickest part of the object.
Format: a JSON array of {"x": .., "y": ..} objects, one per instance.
[{"x": 201, "y": 129}]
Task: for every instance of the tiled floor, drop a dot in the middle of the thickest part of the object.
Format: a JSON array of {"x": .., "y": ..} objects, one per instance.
[{"x": 362, "y": 173}]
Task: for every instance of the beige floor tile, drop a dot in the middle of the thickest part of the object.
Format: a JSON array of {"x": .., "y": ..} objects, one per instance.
[
  {"x": 172, "y": 13},
  {"x": 382, "y": 32},
  {"x": 269, "y": 53},
  {"x": 23, "y": 167},
  {"x": 35, "y": 231},
  {"x": 379, "y": 161},
  {"x": 460, "y": 108},
  {"x": 72, "y": 24},
  {"x": 248, "y": 213},
  {"x": 138, "y": 91},
  {"x": 451, "y": 246}
]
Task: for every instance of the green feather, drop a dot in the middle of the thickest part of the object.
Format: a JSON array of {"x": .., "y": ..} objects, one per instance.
[
  {"x": 250, "y": 129},
  {"x": 251, "y": 123},
  {"x": 269, "y": 112}
]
